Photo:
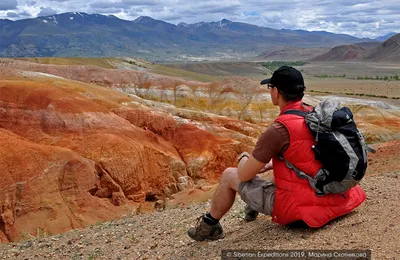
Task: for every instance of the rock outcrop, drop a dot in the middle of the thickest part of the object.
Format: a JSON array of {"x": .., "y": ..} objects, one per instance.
[{"x": 75, "y": 154}]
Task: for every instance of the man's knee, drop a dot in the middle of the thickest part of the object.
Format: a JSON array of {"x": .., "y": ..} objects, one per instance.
[
  {"x": 230, "y": 177},
  {"x": 227, "y": 174}
]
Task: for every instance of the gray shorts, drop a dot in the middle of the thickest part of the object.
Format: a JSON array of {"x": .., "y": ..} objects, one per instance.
[{"x": 259, "y": 194}]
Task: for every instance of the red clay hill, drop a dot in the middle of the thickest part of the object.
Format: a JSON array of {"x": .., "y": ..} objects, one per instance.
[
  {"x": 74, "y": 154},
  {"x": 387, "y": 51}
]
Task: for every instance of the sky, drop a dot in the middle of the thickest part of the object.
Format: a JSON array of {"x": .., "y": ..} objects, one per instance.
[{"x": 364, "y": 18}]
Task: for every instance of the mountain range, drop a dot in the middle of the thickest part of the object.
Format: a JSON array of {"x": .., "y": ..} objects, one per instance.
[
  {"x": 388, "y": 51},
  {"x": 82, "y": 34}
]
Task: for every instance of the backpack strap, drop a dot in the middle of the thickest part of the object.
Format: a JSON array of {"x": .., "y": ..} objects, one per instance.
[
  {"x": 370, "y": 149},
  {"x": 301, "y": 175},
  {"x": 307, "y": 107}
]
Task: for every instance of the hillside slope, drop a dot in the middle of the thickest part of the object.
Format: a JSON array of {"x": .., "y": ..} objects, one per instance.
[
  {"x": 342, "y": 53},
  {"x": 387, "y": 51},
  {"x": 162, "y": 235},
  {"x": 293, "y": 53}
]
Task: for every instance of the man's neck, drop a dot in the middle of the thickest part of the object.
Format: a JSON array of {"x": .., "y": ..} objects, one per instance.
[{"x": 282, "y": 104}]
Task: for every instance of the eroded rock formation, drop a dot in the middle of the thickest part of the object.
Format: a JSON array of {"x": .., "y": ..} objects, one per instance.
[{"x": 74, "y": 154}]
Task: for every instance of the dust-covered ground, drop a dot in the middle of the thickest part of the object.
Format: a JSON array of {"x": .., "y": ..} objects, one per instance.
[{"x": 162, "y": 235}]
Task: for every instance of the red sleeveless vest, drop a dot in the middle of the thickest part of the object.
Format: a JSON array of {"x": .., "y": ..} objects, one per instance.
[{"x": 294, "y": 197}]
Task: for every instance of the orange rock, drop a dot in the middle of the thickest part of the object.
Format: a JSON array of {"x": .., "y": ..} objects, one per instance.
[
  {"x": 69, "y": 161},
  {"x": 3, "y": 238},
  {"x": 206, "y": 155},
  {"x": 47, "y": 188}
]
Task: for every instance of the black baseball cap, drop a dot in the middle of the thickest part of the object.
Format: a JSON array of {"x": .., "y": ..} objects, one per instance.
[{"x": 286, "y": 79}]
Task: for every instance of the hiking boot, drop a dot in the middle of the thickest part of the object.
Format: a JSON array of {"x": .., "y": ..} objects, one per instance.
[
  {"x": 250, "y": 214},
  {"x": 203, "y": 231}
]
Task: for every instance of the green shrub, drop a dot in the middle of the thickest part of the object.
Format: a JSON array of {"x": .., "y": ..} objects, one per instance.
[{"x": 273, "y": 65}]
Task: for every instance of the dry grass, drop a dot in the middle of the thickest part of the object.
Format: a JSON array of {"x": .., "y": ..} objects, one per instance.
[
  {"x": 358, "y": 88},
  {"x": 99, "y": 62},
  {"x": 168, "y": 71}
]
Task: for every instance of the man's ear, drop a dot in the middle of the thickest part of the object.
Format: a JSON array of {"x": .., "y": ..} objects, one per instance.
[{"x": 277, "y": 94}]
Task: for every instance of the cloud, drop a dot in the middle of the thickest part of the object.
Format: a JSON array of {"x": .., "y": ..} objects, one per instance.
[
  {"x": 8, "y": 5},
  {"x": 107, "y": 7},
  {"x": 46, "y": 11},
  {"x": 354, "y": 17},
  {"x": 107, "y": 4},
  {"x": 142, "y": 2},
  {"x": 21, "y": 15},
  {"x": 12, "y": 15}
]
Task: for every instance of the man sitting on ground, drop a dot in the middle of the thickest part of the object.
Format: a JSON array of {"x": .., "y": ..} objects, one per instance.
[{"x": 288, "y": 199}]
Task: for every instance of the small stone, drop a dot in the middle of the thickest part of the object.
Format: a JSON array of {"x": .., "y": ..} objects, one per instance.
[
  {"x": 304, "y": 236},
  {"x": 127, "y": 246},
  {"x": 28, "y": 244}
]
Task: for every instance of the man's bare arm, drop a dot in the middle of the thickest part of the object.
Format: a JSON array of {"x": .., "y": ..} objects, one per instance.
[{"x": 249, "y": 167}]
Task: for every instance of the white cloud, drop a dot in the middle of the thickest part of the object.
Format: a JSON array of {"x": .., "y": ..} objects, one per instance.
[
  {"x": 363, "y": 18},
  {"x": 45, "y": 11},
  {"x": 12, "y": 15}
]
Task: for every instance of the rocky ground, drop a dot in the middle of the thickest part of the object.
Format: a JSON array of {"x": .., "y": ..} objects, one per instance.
[{"x": 162, "y": 235}]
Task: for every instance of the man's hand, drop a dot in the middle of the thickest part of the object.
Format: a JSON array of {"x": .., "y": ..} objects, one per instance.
[{"x": 267, "y": 167}]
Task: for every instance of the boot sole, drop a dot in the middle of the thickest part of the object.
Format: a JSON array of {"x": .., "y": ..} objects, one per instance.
[{"x": 220, "y": 236}]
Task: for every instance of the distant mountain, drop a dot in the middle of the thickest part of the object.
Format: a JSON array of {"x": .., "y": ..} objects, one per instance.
[
  {"x": 367, "y": 45},
  {"x": 81, "y": 34},
  {"x": 226, "y": 31},
  {"x": 389, "y": 50},
  {"x": 385, "y": 37},
  {"x": 343, "y": 53},
  {"x": 293, "y": 53}
]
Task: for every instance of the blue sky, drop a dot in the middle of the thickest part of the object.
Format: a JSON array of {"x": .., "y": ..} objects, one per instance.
[{"x": 363, "y": 18}]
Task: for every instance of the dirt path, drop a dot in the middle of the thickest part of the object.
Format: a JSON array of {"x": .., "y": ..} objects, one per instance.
[{"x": 162, "y": 235}]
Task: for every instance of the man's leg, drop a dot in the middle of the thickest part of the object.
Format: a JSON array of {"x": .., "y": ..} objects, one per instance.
[
  {"x": 208, "y": 227},
  {"x": 226, "y": 192}
]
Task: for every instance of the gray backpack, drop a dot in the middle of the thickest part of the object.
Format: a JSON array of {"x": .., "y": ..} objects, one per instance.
[{"x": 340, "y": 148}]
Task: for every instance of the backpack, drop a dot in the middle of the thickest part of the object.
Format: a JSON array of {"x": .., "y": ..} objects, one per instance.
[{"x": 340, "y": 147}]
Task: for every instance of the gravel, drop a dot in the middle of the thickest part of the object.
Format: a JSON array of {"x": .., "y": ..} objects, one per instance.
[{"x": 162, "y": 235}]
